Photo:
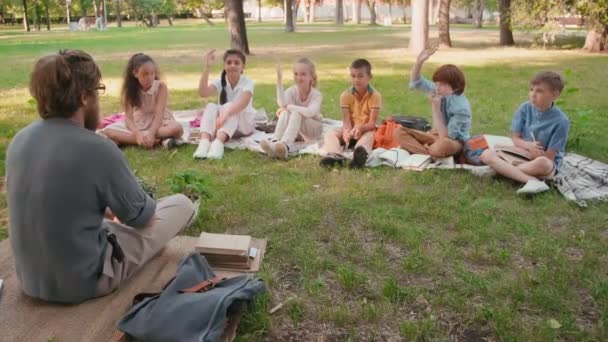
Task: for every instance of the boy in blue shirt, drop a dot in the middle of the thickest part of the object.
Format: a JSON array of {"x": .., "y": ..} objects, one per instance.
[
  {"x": 451, "y": 111},
  {"x": 541, "y": 128}
]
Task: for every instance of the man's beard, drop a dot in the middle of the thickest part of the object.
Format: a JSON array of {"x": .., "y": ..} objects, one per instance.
[{"x": 91, "y": 116}]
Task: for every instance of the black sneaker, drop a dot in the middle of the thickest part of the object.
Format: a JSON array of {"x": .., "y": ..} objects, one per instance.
[
  {"x": 169, "y": 143},
  {"x": 332, "y": 159},
  {"x": 359, "y": 158}
]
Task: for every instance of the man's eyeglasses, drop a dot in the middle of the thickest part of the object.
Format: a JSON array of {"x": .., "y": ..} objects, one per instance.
[{"x": 101, "y": 88}]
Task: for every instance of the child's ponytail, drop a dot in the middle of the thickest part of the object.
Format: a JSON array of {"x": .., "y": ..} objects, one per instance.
[{"x": 223, "y": 96}]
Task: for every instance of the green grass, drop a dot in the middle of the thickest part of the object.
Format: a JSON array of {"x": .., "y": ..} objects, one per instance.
[{"x": 375, "y": 254}]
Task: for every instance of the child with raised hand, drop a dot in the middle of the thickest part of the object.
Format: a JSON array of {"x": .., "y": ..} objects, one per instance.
[
  {"x": 234, "y": 114},
  {"x": 539, "y": 127},
  {"x": 451, "y": 111},
  {"x": 360, "y": 105},
  {"x": 144, "y": 97},
  {"x": 299, "y": 110}
]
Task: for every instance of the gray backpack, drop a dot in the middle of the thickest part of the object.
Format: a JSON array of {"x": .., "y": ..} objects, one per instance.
[{"x": 192, "y": 307}]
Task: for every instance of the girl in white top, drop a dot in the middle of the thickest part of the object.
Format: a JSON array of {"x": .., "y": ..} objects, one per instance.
[
  {"x": 147, "y": 119},
  {"x": 234, "y": 114},
  {"x": 299, "y": 110}
]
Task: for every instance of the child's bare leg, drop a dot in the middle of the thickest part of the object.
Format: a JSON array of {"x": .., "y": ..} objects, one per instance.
[
  {"x": 540, "y": 167},
  {"x": 444, "y": 147},
  {"x": 170, "y": 129},
  {"x": 490, "y": 158},
  {"x": 332, "y": 141},
  {"x": 120, "y": 137}
]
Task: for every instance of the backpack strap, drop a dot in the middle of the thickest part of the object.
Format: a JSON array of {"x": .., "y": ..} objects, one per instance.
[{"x": 204, "y": 285}]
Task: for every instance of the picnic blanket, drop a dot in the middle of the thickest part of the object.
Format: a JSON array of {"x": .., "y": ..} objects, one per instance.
[
  {"x": 25, "y": 319},
  {"x": 252, "y": 142},
  {"x": 581, "y": 179}
]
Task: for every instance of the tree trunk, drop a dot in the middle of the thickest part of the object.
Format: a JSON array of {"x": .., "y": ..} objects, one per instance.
[
  {"x": 48, "y": 17},
  {"x": 259, "y": 11},
  {"x": 478, "y": 18},
  {"x": 339, "y": 12},
  {"x": 294, "y": 11},
  {"x": 37, "y": 18},
  {"x": 433, "y": 11},
  {"x": 420, "y": 26},
  {"x": 95, "y": 8},
  {"x": 118, "y": 16},
  {"x": 26, "y": 24},
  {"x": 506, "y": 33},
  {"x": 371, "y": 5},
  {"x": 404, "y": 11},
  {"x": 596, "y": 41},
  {"x": 236, "y": 26},
  {"x": 444, "y": 24},
  {"x": 289, "y": 27},
  {"x": 306, "y": 11},
  {"x": 313, "y": 11},
  {"x": 356, "y": 4}
]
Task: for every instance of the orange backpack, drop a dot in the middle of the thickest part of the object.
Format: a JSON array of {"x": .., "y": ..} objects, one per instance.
[{"x": 385, "y": 135}]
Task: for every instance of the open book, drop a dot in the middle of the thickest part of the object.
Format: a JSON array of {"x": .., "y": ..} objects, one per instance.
[
  {"x": 415, "y": 162},
  {"x": 513, "y": 154}
]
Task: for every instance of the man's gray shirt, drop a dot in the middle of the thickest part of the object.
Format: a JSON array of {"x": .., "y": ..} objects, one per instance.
[{"x": 60, "y": 180}]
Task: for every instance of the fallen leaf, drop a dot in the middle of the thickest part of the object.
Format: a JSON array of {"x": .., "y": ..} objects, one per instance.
[{"x": 554, "y": 324}]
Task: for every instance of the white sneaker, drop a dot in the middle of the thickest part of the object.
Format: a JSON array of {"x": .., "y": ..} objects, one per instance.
[
  {"x": 202, "y": 150},
  {"x": 266, "y": 146},
  {"x": 483, "y": 172},
  {"x": 280, "y": 150},
  {"x": 216, "y": 151},
  {"x": 533, "y": 186}
]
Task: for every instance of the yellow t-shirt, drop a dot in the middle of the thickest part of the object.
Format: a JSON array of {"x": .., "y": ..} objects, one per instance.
[{"x": 360, "y": 107}]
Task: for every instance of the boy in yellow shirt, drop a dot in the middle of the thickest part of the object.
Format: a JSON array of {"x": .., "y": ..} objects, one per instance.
[{"x": 360, "y": 106}]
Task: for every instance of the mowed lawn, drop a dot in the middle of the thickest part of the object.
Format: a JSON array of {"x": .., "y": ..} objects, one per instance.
[{"x": 378, "y": 254}]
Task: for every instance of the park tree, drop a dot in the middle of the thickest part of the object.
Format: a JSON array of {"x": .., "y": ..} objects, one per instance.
[
  {"x": 236, "y": 25},
  {"x": 118, "y": 13},
  {"x": 371, "y": 5},
  {"x": 289, "y": 20},
  {"x": 420, "y": 26},
  {"x": 339, "y": 12},
  {"x": 506, "y": 30},
  {"x": 444, "y": 24},
  {"x": 356, "y": 7},
  {"x": 26, "y": 24},
  {"x": 311, "y": 10},
  {"x": 596, "y": 14}
]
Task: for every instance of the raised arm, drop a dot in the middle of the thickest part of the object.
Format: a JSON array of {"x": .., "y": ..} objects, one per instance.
[
  {"x": 204, "y": 88},
  {"x": 281, "y": 102},
  {"x": 422, "y": 57}
]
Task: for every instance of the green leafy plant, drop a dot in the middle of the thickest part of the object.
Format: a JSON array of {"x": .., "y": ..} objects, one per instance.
[{"x": 191, "y": 183}]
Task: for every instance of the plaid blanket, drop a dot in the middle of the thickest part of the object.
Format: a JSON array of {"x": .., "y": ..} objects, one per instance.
[{"x": 582, "y": 179}]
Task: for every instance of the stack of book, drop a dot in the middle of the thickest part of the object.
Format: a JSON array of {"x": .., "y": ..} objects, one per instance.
[{"x": 223, "y": 251}]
